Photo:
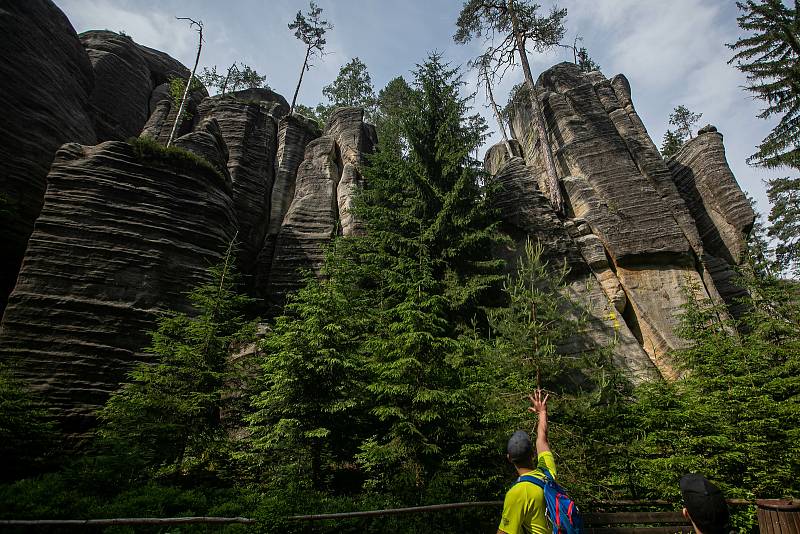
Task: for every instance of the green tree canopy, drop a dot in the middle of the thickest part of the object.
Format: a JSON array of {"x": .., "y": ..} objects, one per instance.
[
  {"x": 684, "y": 121},
  {"x": 238, "y": 76},
  {"x": 166, "y": 421},
  {"x": 784, "y": 218},
  {"x": 770, "y": 57},
  {"x": 352, "y": 87},
  {"x": 586, "y": 63},
  {"x": 673, "y": 141},
  {"x": 310, "y": 28}
]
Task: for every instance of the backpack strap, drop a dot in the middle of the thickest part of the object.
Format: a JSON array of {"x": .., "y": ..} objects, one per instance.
[
  {"x": 534, "y": 480},
  {"x": 547, "y": 473}
]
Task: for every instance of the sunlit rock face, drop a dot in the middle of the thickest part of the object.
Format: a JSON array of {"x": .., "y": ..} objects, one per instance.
[{"x": 646, "y": 214}]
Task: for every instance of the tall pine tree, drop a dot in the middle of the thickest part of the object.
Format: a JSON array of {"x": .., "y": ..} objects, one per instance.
[
  {"x": 166, "y": 421},
  {"x": 770, "y": 57}
]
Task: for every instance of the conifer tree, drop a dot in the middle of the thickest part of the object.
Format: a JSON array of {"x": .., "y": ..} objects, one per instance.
[
  {"x": 393, "y": 101},
  {"x": 784, "y": 218},
  {"x": 310, "y": 29},
  {"x": 684, "y": 121},
  {"x": 673, "y": 141},
  {"x": 352, "y": 87},
  {"x": 166, "y": 420},
  {"x": 27, "y": 431},
  {"x": 770, "y": 57},
  {"x": 427, "y": 254},
  {"x": 735, "y": 416},
  {"x": 586, "y": 63},
  {"x": 310, "y": 410},
  {"x": 517, "y": 24}
]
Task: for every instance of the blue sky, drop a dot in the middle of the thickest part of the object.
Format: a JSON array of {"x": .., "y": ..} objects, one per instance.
[{"x": 673, "y": 52}]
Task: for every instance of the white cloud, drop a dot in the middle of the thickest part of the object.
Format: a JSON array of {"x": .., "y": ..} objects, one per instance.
[{"x": 150, "y": 27}]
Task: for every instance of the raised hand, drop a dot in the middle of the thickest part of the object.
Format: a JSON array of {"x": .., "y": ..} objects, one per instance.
[{"x": 538, "y": 404}]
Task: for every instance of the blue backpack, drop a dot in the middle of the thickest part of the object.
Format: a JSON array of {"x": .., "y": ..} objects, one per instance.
[{"x": 562, "y": 512}]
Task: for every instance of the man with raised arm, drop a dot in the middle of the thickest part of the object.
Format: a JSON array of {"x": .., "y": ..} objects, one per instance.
[{"x": 524, "y": 506}]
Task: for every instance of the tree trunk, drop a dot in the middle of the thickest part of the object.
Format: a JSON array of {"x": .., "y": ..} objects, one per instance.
[
  {"x": 188, "y": 85},
  {"x": 297, "y": 90},
  {"x": 498, "y": 117},
  {"x": 552, "y": 176}
]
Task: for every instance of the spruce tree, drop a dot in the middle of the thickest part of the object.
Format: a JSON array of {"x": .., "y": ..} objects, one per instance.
[
  {"x": 427, "y": 253},
  {"x": 770, "y": 57},
  {"x": 684, "y": 121},
  {"x": 309, "y": 411},
  {"x": 393, "y": 102},
  {"x": 784, "y": 218},
  {"x": 585, "y": 62},
  {"x": 735, "y": 416},
  {"x": 352, "y": 87},
  {"x": 166, "y": 420},
  {"x": 673, "y": 141}
]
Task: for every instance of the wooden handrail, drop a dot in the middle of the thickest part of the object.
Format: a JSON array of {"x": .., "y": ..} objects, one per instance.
[{"x": 312, "y": 517}]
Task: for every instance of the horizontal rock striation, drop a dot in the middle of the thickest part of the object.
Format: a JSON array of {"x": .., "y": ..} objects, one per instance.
[
  {"x": 310, "y": 221},
  {"x": 528, "y": 215},
  {"x": 721, "y": 210},
  {"x": 121, "y": 238},
  {"x": 126, "y": 75},
  {"x": 616, "y": 181},
  {"x": 45, "y": 82},
  {"x": 248, "y": 121}
]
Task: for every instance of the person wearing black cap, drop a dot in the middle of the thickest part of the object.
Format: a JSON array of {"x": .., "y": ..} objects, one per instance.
[
  {"x": 524, "y": 506},
  {"x": 704, "y": 505}
]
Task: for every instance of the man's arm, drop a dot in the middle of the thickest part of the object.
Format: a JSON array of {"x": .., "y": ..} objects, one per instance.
[{"x": 539, "y": 407}]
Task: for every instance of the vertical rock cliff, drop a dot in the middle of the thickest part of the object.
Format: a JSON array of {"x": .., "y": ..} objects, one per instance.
[
  {"x": 46, "y": 80},
  {"x": 616, "y": 181},
  {"x": 122, "y": 236}
]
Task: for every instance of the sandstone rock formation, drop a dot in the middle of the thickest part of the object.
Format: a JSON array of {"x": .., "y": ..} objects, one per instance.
[
  {"x": 120, "y": 239},
  {"x": 306, "y": 212},
  {"x": 126, "y": 230},
  {"x": 617, "y": 182},
  {"x": 527, "y": 214},
  {"x": 721, "y": 210},
  {"x": 124, "y": 81},
  {"x": 248, "y": 122},
  {"x": 45, "y": 79}
]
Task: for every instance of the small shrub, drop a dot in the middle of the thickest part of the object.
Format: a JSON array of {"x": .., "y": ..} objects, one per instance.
[{"x": 150, "y": 151}]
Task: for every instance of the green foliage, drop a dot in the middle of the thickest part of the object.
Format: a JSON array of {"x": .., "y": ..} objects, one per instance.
[
  {"x": 27, "y": 432},
  {"x": 535, "y": 320},
  {"x": 393, "y": 103},
  {"x": 673, "y": 141},
  {"x": 735, "y": 416},
  {"x": 484, "y": 18},
  {"x": 586, "y": 63},
  {"x": 177, "y": 86},
  {"x": 150, "y": 151},
  {"x": 784, "y": 218},
  {"x": 166, "y": 421},
  {"x": 770, "y": 57},
  {"x": 684, "y": 121},
  {"x": 373, "y": 378},
  {"x": 352, "y": 87},
  {"x": 310, "y": 29},
  {"x": 311, "y": 396},
  {"x": 237, "y": 77}
]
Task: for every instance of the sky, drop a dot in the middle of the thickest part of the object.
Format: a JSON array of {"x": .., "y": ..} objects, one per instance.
[{"x": 672, "y": 51}]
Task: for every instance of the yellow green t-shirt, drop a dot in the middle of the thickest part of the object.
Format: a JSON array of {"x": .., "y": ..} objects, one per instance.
[{"x": 524, "y": 506}]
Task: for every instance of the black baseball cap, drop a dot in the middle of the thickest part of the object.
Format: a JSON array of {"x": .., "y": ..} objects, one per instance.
[
  {"x": 705, "y": 503},
  {"x": 519, "y": 446}
]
